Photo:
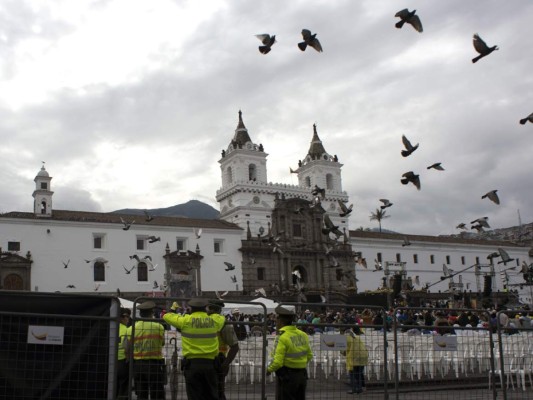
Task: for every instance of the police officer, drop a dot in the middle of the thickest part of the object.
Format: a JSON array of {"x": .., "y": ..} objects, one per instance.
[
  {"x": 289, "y": 357},
  {"x": 122, "y": 366},
  {"x": 148, "y": 363},
  {"x": 228, "y": 347},
  {"x": 199, "y": 341}
]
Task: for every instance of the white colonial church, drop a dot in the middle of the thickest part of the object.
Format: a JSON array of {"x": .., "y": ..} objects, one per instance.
[{"x": 76, "y": 251}]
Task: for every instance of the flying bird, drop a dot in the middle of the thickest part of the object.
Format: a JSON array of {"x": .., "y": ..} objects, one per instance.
[
  {"x": 233, "y": 278},
  {"x": 277, "y": 249},
  {"x": 127, "y": 225},
  {"x": 492, "y": 196},
  {"x": 411, "y": 177},
  {"x": 152, "y": 267},
  {"x": 436, "y": 166},
  {"x": 198, "y": 233},
  {"x": 528, "y": 118},
  {"x": 128, "y": 271},
  {"x": 251, "y": 260},
  {"x": 309, "y": 40},
  {"x": 410, "y": 17},
  {"x": 482, "y": 48},
  {"x": 330, "y": 227},
  {"x": 505, "y": 257},
  {"x": 318, "y": 191},
  {"x": 417, "y": 280},
  {"x": 65, "y": 264},
  {"x": 96, "y": 287},
  {"x": 483, "y": 221},
  {"x": 268, "y": 41},
  {"x": 220, "y": 295},
  {"x": 153, "y": 239},
  {"x": 148, "y": 216},
  {"x": 230, "y": 266},
  {"x": 406, "y": 241},
  {"x": 377, "y": 265},
  {"x": 156, "y": 285},
  {"x": 447, "y": 271},
  {"x": 491, "y": 256},
  {"x": 409, "y": 148},
  {"x": 345, "y": 210},
  {"x": 477, "y": 227},
  {"x": 462, "y": 225},
  {"x": 260, "y": 292},
  {"x": 292, "y": 171},
  {"x": 386, "y": 203},
  {"x": 71, "y": 287}
]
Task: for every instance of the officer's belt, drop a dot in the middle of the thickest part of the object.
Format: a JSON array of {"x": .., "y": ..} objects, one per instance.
[
  {"x": 199, "y": 335},
  {"x": 295, "y": 355}
]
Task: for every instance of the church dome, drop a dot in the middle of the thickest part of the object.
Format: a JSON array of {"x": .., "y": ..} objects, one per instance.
[{"x": 43, "y": 173}]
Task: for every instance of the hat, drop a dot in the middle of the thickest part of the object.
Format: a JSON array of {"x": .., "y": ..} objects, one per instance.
[
  {"x": 216, "y": 302},
  {"x": 283, "y": 311},
  {"x": 307, "y": 311},
  {"x": 198, "y": 302},
  {"x": 147, "y": 305},
  {"x": 235, "y": 311}
]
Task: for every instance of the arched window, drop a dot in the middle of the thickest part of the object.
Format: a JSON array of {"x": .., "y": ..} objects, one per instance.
[
  {"x": 43, "y": 207},
  {"x": 329, "y": 182},
  {"x": 229, "y": 175},
  {"x": 142, "y": 272},
  {"x": 252, "y": 172},
  {"x": 99, "y": 271},
  {"x": 13, "y": 282},
  {"x": 308, "y": 181}
]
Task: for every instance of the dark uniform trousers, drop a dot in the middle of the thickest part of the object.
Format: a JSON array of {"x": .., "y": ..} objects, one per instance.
[
  {"x": 291, "y": 383},
  {"x": 149, "y": 379},
  {"x": 122, "y": 379},
  {"x": 201, "y": 378}
]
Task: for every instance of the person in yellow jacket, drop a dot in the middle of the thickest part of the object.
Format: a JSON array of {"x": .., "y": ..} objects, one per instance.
[
  {"x": 199, "y": 342},
  {"x": 122, "y": 367},
  {"x": 148, "y": 363},
  {"x": 356, "y": 359},
  {"x": 289, "y": 357}
]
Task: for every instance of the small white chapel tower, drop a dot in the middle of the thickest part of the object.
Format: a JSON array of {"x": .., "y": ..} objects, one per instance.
[{"x": 42, "y": 195}]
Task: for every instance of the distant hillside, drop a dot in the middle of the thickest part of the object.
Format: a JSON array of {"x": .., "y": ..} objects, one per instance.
[{"x": 191, "y": 209}]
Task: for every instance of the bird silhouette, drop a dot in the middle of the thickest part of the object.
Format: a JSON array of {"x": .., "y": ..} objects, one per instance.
[
  {"x": 198, "y": 233},
  {"x": 153, "y": 239},
  {"x": 345, "y": 210},
  {"x": 148, "y": 216},
  {"x": 406, "y": 241},
  {"x": 505, "y": 257},
  {"x": 267, "y": 40},
  {"x": 492, "y": 196},
  {"x": 377, "y": 265},
  {"x": 330, "y": 227},
  {"x": 309, "y": 40},
  {"x": 447, "y": 271},
  {"x": 220, "y": 295},
  {"x": 411, "y": 177},
  {"x": 277, "y": 249},
  {"x": 233, "y": 278},
  {"x": 65, "y": 264},
  {"x": 492, "y": 256},
  {"x": 260, "y": 292},
  {"x": 292, "y": 171},
  {"x": 410, "y": 17},
  {"x": 477, "y": 227},
  {"x": 156, "y": 285},
  {"x": 127, "y": 225},
  {"x": 152, "y": 267},
  {"x": 409, "y": 148},
  {"x": 528, "y": 118},
  {"x": 230, "y": 266},
  {"x": 128, "y": 271},
  {"x": 333, "y": 262},
  {"x": 251, "y": 260},
  {"x": 386, "y": 203},
  {"x": 462, "y": 225},
  {"x": 436, "y": 166},
  {"x": 71, "y": 287},
  {"x": 482, "y": 48},
  {"x": 483, "y": 221},
  {"x": 318, "y": 191},
  {"x": 96, "y": 287}
]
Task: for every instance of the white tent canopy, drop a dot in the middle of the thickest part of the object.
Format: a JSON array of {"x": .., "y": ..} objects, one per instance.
[{"x": 250, "y": 308}]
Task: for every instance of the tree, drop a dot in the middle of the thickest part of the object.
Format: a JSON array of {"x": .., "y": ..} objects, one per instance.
[{"x": 379, "y": 215}]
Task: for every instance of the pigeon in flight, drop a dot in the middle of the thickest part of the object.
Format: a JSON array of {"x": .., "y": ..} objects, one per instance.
[
  {"x": 447, "y": 271},
  {"x": 128, "y": 271},
  {"x": 152, "y": 267},
  {"x": 230, "y": 266},
  {"x": 127, "y": 225},
  {"x": 156, "y": 285},
  {"x": 436, "y": 166},
  {"x": 406, "y": 241},
  {"x": 483, "y": 221},
  {"x": 377, "y": 265},
  {"x": 410, "y": 17},
  {"x": 309, "y": 40},
  {"x": 477, "y": 227},
  {"x": 220, "y": 295},
  {"x": 71, "y": 287},
  {"x": 198, "y": 233},
  {"x": 153, "y": 239},
  {"x": 411, "y": 177},
  {"x": 318, "y": 191},
  {"x": 299, "y": 210},
  {"x": 260, "y": 292},
  {"x": 386, "y": 203},
  {"x": 148, "y": 216},
  {"x": 528, "y": 118},
  {"x": 462, "y": 225},
  {"x": 96, "y": 287},
  {"x": 492, "y": 256},
  {"x": 292, "y": 171},
  {"x": 330, "y": 228},
  {"x": 233, "y": 278},
  {"x": 267, "y": 40},
  {"x": 65, "y": 264},
  {"x": 345, "y": 210},
  {"x": 505, "y": 257},
  {"x": 482, "y": 48},
  {"x": 492, "y": 196},
  {"x": 409, "y": 148},
  {"x": 252, "y": 260}
]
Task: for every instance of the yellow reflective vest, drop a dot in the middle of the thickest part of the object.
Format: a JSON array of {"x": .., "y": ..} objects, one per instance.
[
  {"x": 122, "y": 335},
  {"x": 291, "y": 349},
  {"x": 148, "y": 341},
  {"x": 199, "y": 333},
  {"x": 356, "y": 351}
]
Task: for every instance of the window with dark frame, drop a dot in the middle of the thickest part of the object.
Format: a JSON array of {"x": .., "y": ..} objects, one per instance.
[
  {"x": 44, "y": 185},
  {"x": 379, "y": 257},
  {"x": 13, "y": 246},
  {"x": 477, "y": 260},
  {"x": 432, "y": 259},
  {"x": 141, "y": 243},
  {"x": 463, "y": 261},
  {"x": 98, "y": 242},
  {"x": 142, "y": 272},
  {"x": 297, "y": 229},
  {"x": 415, "y": 258},
  {"x": 260, "y": 274},
  {"x": 398, "y": 257},
  {"x": 447, "y": 259},
  {"x": 99, "y": 271}
]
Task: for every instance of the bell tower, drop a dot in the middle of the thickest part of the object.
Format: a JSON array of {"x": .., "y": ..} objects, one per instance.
[{"x": 42, "y": 195}]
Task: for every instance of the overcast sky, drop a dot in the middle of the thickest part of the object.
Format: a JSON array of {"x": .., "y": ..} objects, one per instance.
[{"x": 130, "y": 102}]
